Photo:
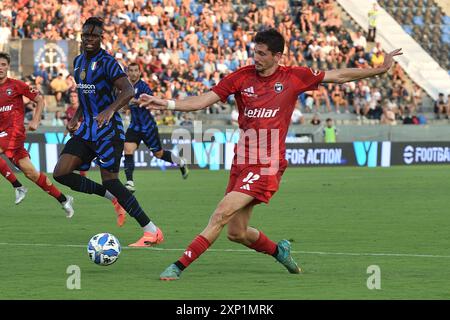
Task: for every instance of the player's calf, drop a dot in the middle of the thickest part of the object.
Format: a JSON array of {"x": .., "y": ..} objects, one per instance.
[{"x": 129, "y": 169}]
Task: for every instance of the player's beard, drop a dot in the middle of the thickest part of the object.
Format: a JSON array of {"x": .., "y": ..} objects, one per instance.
[{"x": 258, "y": 67}]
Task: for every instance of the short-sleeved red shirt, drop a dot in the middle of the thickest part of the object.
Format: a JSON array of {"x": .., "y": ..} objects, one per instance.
[
  {"x": 12, "y": 110},
  {"x": 265, "y": 106}
]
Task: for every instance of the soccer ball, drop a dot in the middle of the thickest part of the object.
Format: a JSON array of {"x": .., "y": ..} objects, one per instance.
[{"x": 104, "y": 249}]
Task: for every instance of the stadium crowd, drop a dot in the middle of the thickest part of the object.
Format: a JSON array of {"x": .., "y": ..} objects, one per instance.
[{"x": 184, "y": 47}]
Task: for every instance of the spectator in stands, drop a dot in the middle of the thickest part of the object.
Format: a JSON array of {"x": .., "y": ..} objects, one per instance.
[
  {"x": 309, "y": 101},
  {"x": 337, "y": 96},
  {"x": 42, "y": 72},
  {"x": 377, "y": 59},
  {"x": 373, "y": 108},
  {"x": 388, "y": 116},
  {"x": 409, "y": 118},
  {"x": 185, "y": 120},
  {"x": 376, "y": 48},
  {"x": 417, "y": 98},
  {"x": 169, "y": 118},
  {"x": 346, "y": 51},
  {"x": 397, "y": 72},
  {"x": 440, "y": 106},
  {"x": 5, "y": 34},
  {"x": 333, "y": 23},
  {"x": 39, "y": 84},
  {"x": 360, "y": 61},
  {"x": 320, "y": 97},
  {"x": 361, "y": 97},
  {"x": 297, "y": 116},
  {"x": 59, "y": 87},
  {"x": 360, "y": 41},
  {"x": 30, "y": 107},
  {"x": 58, "y": 120},
  {"x": 315, "y": 121},
  {"x": 62, "y": 69}
]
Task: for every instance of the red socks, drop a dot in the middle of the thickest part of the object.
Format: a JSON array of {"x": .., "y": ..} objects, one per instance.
[
  {"x": 199, "y": 245},
  {"x": 6, "y": 171},
  {"x": 50, "y": 189},
  {"x": 264, "y": 244}
]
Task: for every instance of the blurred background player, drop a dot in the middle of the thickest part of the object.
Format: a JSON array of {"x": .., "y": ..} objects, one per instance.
[
  {"x": 100, "y": 135},
  {"x": 256, "y": 173},
  {"x": 143, "y": 128},
  {"x": 12, "y": 134}
]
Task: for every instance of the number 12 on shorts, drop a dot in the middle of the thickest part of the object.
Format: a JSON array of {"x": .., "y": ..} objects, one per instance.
[{"x": 251, "y": 177}]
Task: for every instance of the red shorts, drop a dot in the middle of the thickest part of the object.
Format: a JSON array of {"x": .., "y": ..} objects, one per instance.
[
  {"x": 255, "y": 181},
  {"x": 13, "y": 149}
]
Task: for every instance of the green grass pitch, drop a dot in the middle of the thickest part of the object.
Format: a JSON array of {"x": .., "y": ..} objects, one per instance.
[{"x": 340, "y": 222}]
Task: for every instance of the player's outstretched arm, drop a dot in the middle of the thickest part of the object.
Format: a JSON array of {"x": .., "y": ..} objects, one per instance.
[
  {"x": 34, "y": 123},
  {"x": 188, "y": 104},
  {"x": 352, "y": 74}
]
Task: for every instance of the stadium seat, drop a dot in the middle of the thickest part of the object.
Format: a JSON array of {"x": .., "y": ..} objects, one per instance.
[
  {"x": 418, "y": 20},
  {"x": 446, "y": 20},
  {"x": 408, "y": 29}
]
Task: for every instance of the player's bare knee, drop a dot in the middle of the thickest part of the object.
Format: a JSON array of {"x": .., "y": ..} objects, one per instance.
[{"x": 236, "y": 236}]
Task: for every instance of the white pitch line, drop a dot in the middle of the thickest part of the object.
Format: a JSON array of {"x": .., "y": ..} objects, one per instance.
[{"x": 240, "y": 250}]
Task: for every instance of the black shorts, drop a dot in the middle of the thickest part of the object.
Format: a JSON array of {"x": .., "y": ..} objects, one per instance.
[
  {"x": 107, "y": 153},
  {"x": 149, "y": 137}
]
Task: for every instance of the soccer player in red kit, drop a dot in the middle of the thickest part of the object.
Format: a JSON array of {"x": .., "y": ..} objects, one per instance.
[
  {"x": 12, "y": 131},
  {"x": 265, "y": 94}
]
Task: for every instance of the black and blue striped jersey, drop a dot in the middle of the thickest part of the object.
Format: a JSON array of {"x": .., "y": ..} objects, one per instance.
[
  {"x": 95, "y": 78},
  {"x": 141, "y": 118}
]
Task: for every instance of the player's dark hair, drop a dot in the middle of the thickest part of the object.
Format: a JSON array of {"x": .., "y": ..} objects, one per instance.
[
  {"x": 133, "y": 64},
  {"x": 4, "y": 55},
  {"x": 272, "y": 38},
  {"x": 94, "y": 21}
]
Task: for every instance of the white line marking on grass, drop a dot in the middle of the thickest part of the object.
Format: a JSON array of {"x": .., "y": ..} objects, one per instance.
[{"x": 238, "y": 250}]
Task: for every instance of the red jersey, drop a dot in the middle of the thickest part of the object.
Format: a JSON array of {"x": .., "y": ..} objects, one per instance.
[
  {"x": 265, "y": 106},
  {"x": 12, "y": 110}
]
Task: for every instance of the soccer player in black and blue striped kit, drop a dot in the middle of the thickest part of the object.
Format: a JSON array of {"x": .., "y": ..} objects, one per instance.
[
  {"x": 143, "y": 128},
  {"x": 100, "y": 136}
]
